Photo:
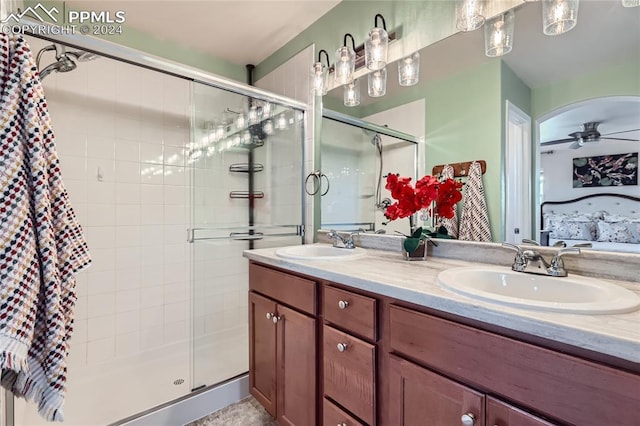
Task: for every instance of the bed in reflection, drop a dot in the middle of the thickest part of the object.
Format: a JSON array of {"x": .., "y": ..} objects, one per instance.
[{"x": 608, "y": 222}]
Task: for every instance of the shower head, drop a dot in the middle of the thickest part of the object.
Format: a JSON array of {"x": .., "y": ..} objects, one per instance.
[{"x": 64, "y": 61}]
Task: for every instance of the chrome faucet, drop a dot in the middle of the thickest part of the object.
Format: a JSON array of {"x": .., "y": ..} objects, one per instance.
[
  {"x": 339, "y": 239},
  {"x": 532, "y": 262}
]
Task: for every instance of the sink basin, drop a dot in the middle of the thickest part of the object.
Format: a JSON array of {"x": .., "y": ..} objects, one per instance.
[
  {"x": 319, "y": 252},
  {"x": 572, "y": 294}
]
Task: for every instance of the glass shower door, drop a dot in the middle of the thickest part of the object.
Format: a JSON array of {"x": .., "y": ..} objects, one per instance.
[{"x": 246, "y": 168}]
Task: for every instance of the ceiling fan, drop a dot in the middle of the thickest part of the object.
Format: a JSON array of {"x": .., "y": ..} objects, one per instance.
[{"x": 589, "y": 133}]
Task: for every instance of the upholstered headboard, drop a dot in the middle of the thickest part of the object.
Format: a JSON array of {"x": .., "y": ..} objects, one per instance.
[{"x": 618, "y": 204}]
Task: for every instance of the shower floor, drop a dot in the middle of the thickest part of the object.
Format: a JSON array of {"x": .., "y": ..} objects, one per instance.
[{"x": 247, "y": 412}]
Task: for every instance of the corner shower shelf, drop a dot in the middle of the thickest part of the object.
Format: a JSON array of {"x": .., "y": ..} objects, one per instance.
[
  {"x": 246, "y": 194},
  {"x": 246, "y": 168}
]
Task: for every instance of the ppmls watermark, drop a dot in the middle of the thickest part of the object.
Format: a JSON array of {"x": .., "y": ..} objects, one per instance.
[{"x": 56, "y": 22}]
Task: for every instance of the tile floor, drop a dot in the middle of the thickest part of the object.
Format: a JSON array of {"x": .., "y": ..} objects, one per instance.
[{"x": 247, "y": 412}]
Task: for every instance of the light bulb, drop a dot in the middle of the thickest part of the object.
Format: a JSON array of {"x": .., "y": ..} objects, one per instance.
[
  {"x": 352, "y": 93},
  {"x": 409, "y": 70},
  {"x": 377, "y": 83}
]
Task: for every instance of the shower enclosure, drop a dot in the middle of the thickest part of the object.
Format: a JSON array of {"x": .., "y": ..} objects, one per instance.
[
  {"x": 172, "y": 174},
  {"x": 356, "y": 156}
]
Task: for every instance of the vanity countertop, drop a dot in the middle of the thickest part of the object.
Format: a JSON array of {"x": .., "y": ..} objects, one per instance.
[{"x": 387, "y": 274}]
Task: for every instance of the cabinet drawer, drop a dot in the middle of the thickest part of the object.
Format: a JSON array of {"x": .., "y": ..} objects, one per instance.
[
  {"x": 288, "y": 289},
  {"x": 555, "y": 384},
  {"x": 350, "y": 311},
  {"x": 349, "y": 375},
  {"x": 502, "y": 414},
  {"x": 332, "y": 416}
]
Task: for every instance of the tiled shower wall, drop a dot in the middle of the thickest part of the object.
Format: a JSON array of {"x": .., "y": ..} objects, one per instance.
[{"x": 120, "y": 134}]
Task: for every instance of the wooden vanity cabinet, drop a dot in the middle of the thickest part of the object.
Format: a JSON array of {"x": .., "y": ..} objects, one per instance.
[{"x": 283, "y": 345}]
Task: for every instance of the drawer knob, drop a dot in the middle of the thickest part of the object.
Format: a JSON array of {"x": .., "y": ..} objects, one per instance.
[
  {"x": 342, "y": 347},
  {"x": 275, "y": 319},
  {"x": 343, "y": 304},
  {"x": 269, "y": 315},
  {"x": 342, "y": 424},
  {"x": 468, "y": 419}
]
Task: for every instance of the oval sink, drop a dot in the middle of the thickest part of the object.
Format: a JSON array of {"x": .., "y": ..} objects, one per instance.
[
  {"x": 572, "y": 294},
  {"x": 319, "y": 252}
]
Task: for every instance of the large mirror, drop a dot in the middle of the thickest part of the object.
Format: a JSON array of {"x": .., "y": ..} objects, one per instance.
[{"x": 476, "y": 107}]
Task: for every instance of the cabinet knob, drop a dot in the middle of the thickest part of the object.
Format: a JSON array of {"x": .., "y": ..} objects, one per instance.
[
  {"x": 468, "y": 419},
  {"x": 343, "y": 304},
  {"x": 342, "y": 424},
  {"x": 342, "y": 347},
  {"x": 269, "y": 315},
  {"x": 275, "y": 319}
]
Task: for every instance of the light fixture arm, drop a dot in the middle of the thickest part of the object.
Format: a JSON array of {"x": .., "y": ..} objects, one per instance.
[
  {"x": 326, "y": 55},
  {"x": 353, "y": 41},
  {"x": 375, "y": 21}
]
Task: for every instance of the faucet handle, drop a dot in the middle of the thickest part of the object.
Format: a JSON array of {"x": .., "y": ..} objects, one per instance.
[
  {"x": 531, "y": 242},
  {"x": 520, "y": 261},
  {"x": 557, "y": 264}
]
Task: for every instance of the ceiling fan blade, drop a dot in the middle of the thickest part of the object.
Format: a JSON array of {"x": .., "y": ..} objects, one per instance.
[
  {"x": 557, "y": 141},
  {"x": 621, "y": 139},
  {"x": 575, "y": 145},
  {"x": 623, "y": 131}
]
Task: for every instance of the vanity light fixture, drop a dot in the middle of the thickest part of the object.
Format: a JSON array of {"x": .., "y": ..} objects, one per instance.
[
  {"x": 320, "y": 74},
  {"x": 352, "y": 93},
  {"x": 345, "y": 61},
  {"x": 409, "y": 70},
  {"x": 377, "y": 83},
  {"x": 376, "y": 46},
  {"x": 498, "y": 35},
  {"x": 631, "y": 3},
  {"x": 281, "y": 122},
  {"x": 559, "y": 16},
  {"x": 469, "y": 14}
]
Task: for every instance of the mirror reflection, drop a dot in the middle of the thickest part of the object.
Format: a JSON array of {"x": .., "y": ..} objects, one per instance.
[{"x": 501, "y": 109}]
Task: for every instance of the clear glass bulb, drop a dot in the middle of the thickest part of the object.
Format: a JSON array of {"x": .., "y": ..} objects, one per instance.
[
  {"x": 352, "y": 93},
  {"x": 498, "y": 35},
  {"x": 469, "y": 14},
  {"x": 631, "y": 3},
  {"x": 377, "y": 83},
  {"x": 376, "y": 48},
  {"x": 559, "y": 16},
  {"x": 409, "y": 70},
  {"x": 345, "y": 65},
  {"x": 319, "y": 78}
]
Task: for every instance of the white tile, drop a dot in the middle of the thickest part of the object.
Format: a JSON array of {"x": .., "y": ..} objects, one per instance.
[
  {"x": 101, "y": 305},
  {"x": 151, "y": 153},
  {"x": 152, "y": 194},
  {"x": 80, "y": 330},
  {"x": 151, "y": 235},
  {"x": 175, "y": 214},
  {"x": 127, "y": 322},
  {"x": 101, "y": 125},
  {"x": 176, "y": 291},
  {"x": 100, "y": 215},
  {"x": 81, "y": 308},
  {"x": 175, "y": 332},
  {"x": 128, "y": 236},
  {"x": 127, "y": 279},
  {"x": 175, "y": 234},
  {"x": 127, "y": 128},
  {"x": 175, "y": 195},
  {"x": 82, "y": 282},
  {"x": 173, "y": 155},
  {"x": 100, "y": 282},
  {"x": 152, "y": 215},
  {"x": 77, "y": 190},
  {"x": 174, "y": 175},
  {"x": 73, "y": 167},
  {"x": 101, "y": 192},
  {"x": 175, "y": 253},
  {"x": 101, "y": 327},
  {"x": 152, "y": 256},
  {"x": 152, "y": 174},
  {"x": 128, "y": 344},
  {"x": 151, "y": 316},
  {"x": 151, "y": 130},
  {"x": 127, "y": 171},
  {"x": 77, "y": 354},
  {"x": 176, "y": 273},
  {"x": 100, "y": 147},
  {"x": 75, "y": 145},
  {"x": 127, "y": 257},
  {"x": 175, "y": 312},
  {"x": 102, "y": 259},
  {"x": 127, "y": 214},
  {"x": 127, "y": 300},
  {"x": 100, "y": 237},
  {"x": 152, "y": 276},
  {"x": 127, "y": 193},
  {"x": 100, "y": 350},
  {"x": 127, "y": 150},
  {"x": 152, "y": 296},
  {"x": 151, "y": 337}
]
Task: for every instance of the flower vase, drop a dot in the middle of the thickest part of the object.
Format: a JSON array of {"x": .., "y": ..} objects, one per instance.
[{"x": 419, "y": 253}]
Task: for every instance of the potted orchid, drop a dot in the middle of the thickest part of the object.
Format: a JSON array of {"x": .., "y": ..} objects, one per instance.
[{"x": 439, "y": 197}]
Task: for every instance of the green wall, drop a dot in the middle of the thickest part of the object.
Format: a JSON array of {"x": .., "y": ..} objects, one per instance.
[{"x": 174, "y": 51}]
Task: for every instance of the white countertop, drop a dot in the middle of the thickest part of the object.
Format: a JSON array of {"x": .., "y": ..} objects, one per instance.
[{"x": 387, "y": 274}]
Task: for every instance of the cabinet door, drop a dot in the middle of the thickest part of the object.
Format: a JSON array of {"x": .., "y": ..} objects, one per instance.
[
  {"x": 502, "y": 414},
  {"x": 297, "y": 368},
  {"x": 419, "y": 397},
  {"x": 262, "y": 351}
]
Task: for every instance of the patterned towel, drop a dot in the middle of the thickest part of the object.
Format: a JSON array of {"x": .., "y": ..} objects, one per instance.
[
  {"x": 450, "y": 224},
  {"x": 41, "y": 242},
  {"x": 474, "y": 225}
]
